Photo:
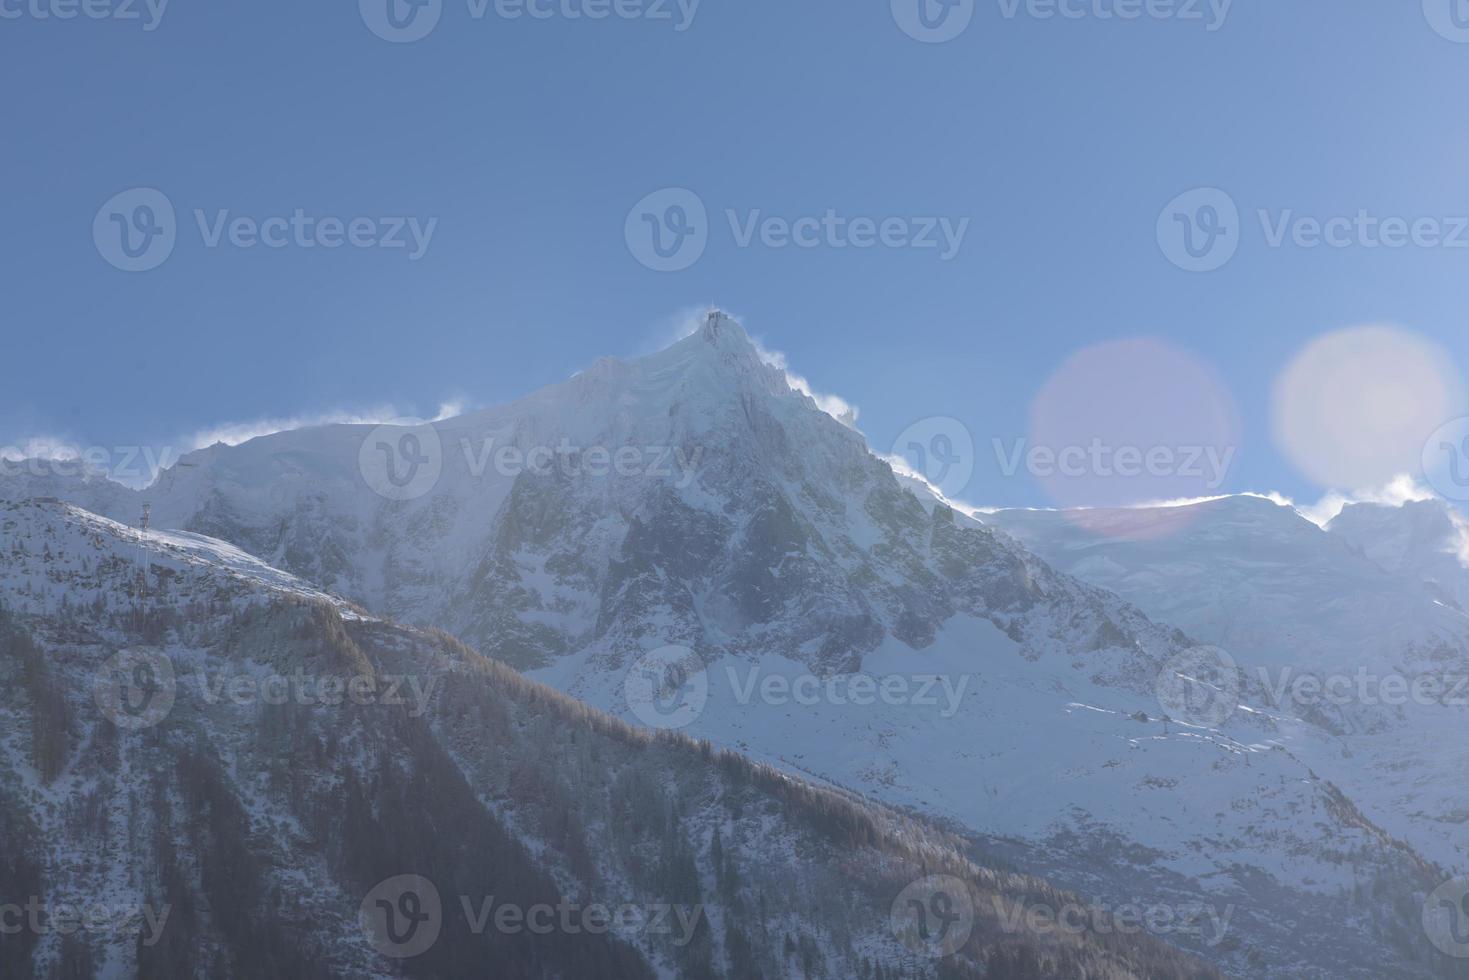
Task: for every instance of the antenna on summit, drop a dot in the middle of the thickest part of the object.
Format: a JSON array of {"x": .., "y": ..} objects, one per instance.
[{"x": 144, "y": 563}]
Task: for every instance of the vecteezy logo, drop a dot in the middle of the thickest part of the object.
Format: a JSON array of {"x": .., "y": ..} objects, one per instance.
[
  {"x": 933, "y": 21},
  {"x": 1200, "y": 686},
  {"x": 402, "y": 917},
  {"x": 135, "y": 689},
  {"x": 136, "y": 230},
  {"x": 1199, "y": 230},
  {"x": 1450, "y": 18},
  {"x": 934, "y": 916},
  {"x": 401, "y": 21},
  {"x": 402, "y": 460},
  {"x": 667, "y": 688},
  {"x": 1446, "y": 918},
  {"x": 668, "y": 230},
  {"x": 941, "y": 450},
  {"x": 1446, "y": 460}
]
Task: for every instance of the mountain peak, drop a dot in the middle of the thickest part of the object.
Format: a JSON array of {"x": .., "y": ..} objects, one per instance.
[
  {"x": 723, "y": 334},
  {"x": 1430, "y": 512},
  {"x": 722, "y": 330},
  {"x": 719, "y": 347}
]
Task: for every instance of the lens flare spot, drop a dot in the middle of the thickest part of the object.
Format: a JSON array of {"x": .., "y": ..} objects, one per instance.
[
  {"x": 1129, "y": 422},
  {"x": 1352, "y": 409}
]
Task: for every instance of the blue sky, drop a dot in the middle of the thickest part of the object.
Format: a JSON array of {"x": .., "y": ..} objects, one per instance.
[{"x": 525, "y": 143}]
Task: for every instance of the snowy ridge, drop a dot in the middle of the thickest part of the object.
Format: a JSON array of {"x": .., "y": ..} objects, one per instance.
[{"x": 57, "y": 552}]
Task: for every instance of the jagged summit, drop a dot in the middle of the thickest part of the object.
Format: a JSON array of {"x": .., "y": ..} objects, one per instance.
[
  {"x": 719, "y": 353},
  {"x": 1424, "y": 540},
  {"x": 723, "y": 330},
  {"x": 710, "y": 372},
  {"x": 1431, "y": 521}
]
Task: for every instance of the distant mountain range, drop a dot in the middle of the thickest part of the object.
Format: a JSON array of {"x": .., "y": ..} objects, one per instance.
[
  {"x": 687, "y": 542},
  {"x": 1371, "y": 607}
]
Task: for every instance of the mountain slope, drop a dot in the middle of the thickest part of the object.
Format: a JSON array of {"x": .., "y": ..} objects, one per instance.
[
  {"x": 824, "y": 620},
  {"x": 213, "y": 829},
  {"x": 1425, "y": 540},
  {"x": 1337, "y": 624}
]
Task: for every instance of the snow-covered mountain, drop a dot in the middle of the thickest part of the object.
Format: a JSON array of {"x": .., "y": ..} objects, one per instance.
[
  {"x": 690, "y": 522},
  {"x": 1255, "y": 576},
  {"x": 199, "y": 825},
  {"x": 1339, "y": 624},
  {"x": 1425, "y": 540}
]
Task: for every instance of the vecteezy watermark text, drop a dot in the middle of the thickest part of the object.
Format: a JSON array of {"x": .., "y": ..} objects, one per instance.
[
  {"x": 807, "y": 690},
  {"x": 1289, "y": 687},
  {"x": 669, "y": 230},
  {"x": 1211, "y": 13},
  {"x": 403, "y": 460},
  {"x": 1203, "y": 686},
  {"x": 1098, "y": 459},
  {"x": 1201, "y": 230},
  {"x": 938, "y": 21},
  {"x": 1446, "y": 459},
  {"x": 1195, "y": 920},
  {"x": 127, "y": 464},
  {"x": 328, "y": 691},
  {"x": 670, "y": 687},
  {"x": 40, "y": 917},
  {"x": 138, "y": 229},
  {"x": 147, "y": 12},
  {"x": 933, "y": 916},
  {"x": 1446, "y": 918},
  {"x": 833, "y": 230},
  {"x": 1448, "y": 18},
  {"x": 137, "y": 689},
  {"x": 406, "y": 21},
  {"x": 570, "y": 460},
  {"x": 303, "y": 230},
  {"x": 940, "y": 449},
  {"x": 404, "y": 916}
]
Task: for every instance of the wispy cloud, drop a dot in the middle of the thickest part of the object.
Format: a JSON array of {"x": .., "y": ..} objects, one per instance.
[
  {"x": 41, "y": 447},
  {"x": 834, "y": 405},
  {"x": 235, "y": 433},
  {"x": 1171, "y": 502},
  {"x": 678, "y": 325},
  {"x": 1400, "y": 490},
  {"x": 48, "y": 455},
  {"x": 907, "y": 475}
]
